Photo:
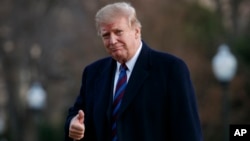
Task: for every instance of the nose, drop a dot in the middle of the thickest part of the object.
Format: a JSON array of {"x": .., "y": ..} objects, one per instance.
[{"x": 112, "y": 39}]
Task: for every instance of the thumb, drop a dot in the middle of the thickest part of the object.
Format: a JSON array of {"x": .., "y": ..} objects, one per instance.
[{"x": 80, "y": 116}]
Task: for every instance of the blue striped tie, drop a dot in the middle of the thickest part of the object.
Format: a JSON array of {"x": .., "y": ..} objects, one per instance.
[{"x": 119, "y": 92}]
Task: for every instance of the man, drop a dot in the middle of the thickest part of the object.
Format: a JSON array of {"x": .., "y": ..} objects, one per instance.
[{"x": 137, "y": 94}]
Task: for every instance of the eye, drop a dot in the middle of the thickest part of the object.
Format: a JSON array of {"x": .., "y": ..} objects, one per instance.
[
  {"x": 118, "y": 32},
  {"x": 105, "y": 35}
]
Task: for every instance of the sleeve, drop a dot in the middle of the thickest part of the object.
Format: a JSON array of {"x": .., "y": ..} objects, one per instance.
[
  {"x": 185, "y": 122},
  {"x": 79, "y": 104}
]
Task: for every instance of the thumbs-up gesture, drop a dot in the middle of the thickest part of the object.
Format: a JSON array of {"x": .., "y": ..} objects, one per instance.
[{"x": 77, "y": 127}]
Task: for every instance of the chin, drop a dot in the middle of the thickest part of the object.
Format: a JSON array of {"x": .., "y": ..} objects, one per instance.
[{"x": 119, "y": 59}]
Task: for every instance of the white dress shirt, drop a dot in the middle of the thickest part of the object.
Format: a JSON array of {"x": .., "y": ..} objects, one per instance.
[{"x": 130, "y": 64}]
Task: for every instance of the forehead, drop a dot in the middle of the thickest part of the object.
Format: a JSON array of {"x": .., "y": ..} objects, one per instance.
[{"x": 116, "y": 23}]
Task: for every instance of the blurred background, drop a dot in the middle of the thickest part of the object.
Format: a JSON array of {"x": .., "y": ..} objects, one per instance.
[{"x": 45, "y": 44}]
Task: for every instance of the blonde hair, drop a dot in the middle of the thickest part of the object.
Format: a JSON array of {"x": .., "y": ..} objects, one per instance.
[{"x": 116, "y": 10}]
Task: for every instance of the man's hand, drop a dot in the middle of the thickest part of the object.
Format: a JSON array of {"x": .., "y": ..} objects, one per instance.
[{"x": 77, "y": 127}]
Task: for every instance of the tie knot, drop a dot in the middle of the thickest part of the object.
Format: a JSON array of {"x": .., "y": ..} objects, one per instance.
[{"x": 123, "y": 67}]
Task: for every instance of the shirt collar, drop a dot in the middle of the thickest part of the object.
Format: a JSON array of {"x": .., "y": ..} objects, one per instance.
[{"x": 131, "y": 63}]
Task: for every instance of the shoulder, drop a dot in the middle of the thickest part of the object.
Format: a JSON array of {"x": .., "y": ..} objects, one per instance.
[
  {"x": 166, "y": 64},
  {"x": 97, "y": 68},
  {"x": 160, "y": 56},
  {"x": 100, "y": 63},
  {"x": 163, "y": 60}
]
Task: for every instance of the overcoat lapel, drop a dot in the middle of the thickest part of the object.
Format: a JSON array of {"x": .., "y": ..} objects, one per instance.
[
  {"x": 137, "y": 78},
  {"x": 105, "y": 85}
]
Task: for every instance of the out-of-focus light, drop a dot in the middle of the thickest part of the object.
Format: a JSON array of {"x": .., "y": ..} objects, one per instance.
[
  {"x": 224, "y": 64},
  {"x": 36, "y": 97}
]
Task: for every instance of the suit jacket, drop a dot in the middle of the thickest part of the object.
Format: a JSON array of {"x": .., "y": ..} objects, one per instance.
[{"x": 159, "y": 103}]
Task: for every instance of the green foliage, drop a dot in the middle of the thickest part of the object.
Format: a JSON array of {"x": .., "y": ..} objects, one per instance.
[
  {"x": 242, "y": 48},
  {"x": 203, "y": 26},
  {"x": 47, "y": 132}
]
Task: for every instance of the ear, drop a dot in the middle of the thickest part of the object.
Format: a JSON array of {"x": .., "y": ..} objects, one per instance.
[{"x": 137, "y": 32}]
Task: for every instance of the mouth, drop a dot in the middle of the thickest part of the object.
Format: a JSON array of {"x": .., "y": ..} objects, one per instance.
[{"x": 115, "y": 48}]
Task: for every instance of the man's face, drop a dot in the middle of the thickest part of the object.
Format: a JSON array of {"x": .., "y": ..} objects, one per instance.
[{"x": 120, "y": 40}]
